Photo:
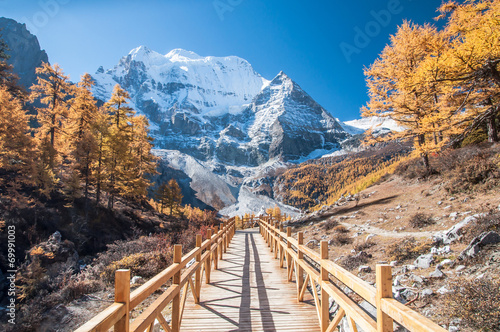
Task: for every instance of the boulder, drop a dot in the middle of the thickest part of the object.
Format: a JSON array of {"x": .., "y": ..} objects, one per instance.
[
  {"x": 455, "y": 231},
  {"x": 478, "y": 243},
  {"x": 424, "y": 261},
  {"x": 437, "y": 274}
]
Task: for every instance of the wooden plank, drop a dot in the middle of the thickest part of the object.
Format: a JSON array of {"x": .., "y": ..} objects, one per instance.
[
  {"x": 249, "y": 292},
  {"x": 384, "y": 290},
  {"x": 122, "y": 295},
  {"x": 176, "y": 280},
  {"x": 351, "y": 308},
  {"x": 409, "y": 318},
  {"x": 336, "y": 320},
  {"x": 152, "y": 312},
  {"x": 105, "y": 319}
]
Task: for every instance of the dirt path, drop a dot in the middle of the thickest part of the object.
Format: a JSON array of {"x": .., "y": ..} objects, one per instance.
[{"x": 382, "y": 232}]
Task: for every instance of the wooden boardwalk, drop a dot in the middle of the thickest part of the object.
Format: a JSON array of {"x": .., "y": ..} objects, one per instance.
[{"x": 249, "y": 292}]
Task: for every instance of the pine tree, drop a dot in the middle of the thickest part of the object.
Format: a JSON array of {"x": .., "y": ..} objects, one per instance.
[
  {"x": 53, "y": 89},
  {"x": 16, "y": 146},
  {"x": 141, "y": 162},
  {"x": 117, "y": 156},
  {"x": 83, "y": 134},
  {"x": 4, "y": 48},
  {"x": 474, "y": 63},
  {"x": 400, "y": 89},
  {"x": 175, "y": 198}
]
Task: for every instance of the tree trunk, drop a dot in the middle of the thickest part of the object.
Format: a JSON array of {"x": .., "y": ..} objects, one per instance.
[{"x": 492, "y": 129}]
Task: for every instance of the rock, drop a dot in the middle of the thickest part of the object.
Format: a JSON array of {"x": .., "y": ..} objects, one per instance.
[
  {"x": 24, "y": 50},
  {"x": 137, "y": 280},
  {"x": 453, "y": 328},
  {"x": 440, "y": 251},
  {"x": 452, "y": 198},
  {"x": 365, "y": 269},
  {"x": 394, "y": 263},
  {"x": 446, "y": 262},
  {"x": 424, "y": 261},
  {"x": 439, "y": 203},
  {"x": 443, "y": 290},
  {"x": 397, "y": 280},
  {"x": 427, "y": 292},
  {"x": 477, "y": 243},
  {"x": 447, "y": 207},
  {"x": 437, "y": 274},
  {"x": 416, "y": 278},
  {"x": 453, "y": 215},
  {"x": 369, "y": 237},
  {"x": 460, "y": 268},
  {"x": 455, "y": 231}
]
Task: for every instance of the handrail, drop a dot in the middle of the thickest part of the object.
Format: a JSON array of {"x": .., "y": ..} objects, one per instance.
[
  {"x": 291, "y": 254},
  {"x": 206, "y": 254}
]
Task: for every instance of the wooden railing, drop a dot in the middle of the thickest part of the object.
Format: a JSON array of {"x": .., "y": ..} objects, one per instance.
[
  {"x": 321, "y": 272},
  {"x": 179, "y": 276}
]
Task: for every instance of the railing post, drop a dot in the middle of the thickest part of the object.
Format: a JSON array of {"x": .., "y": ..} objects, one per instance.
[
  {"x": 221, "y": 245},
  {"x": 282, "y": 246},
  {"x": 384, "y": 290},
  {"x": 216, "y": 251},
  {"x": 298, "y": 269},
  {"x": 288, "y": 256},
  {"x": 227, "y": 230},
  {"x": 325, "y": 298},
  {"x": 276, "y": 240},
  {"x": 208, "y": 262},
  {"x": 197, "y": 276},
  {"x": 122, "y": 295},
  {"x": 176, "y": 280}
]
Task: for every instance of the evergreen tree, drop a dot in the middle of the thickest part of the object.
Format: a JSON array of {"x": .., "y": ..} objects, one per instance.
[
  {"x": 16, "y": 146},
  {"x": 53, "y": 89},
  {"x": 83, "y": 133},
  {"x": 4, "y": 48},
  {"x": 169, "y": 196},
  {"x": 399, "y": 85},
  {"x": 473, "y": 63}
]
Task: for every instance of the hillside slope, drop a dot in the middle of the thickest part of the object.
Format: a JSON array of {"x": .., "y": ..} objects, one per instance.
[{"x": 437, "y": 219}]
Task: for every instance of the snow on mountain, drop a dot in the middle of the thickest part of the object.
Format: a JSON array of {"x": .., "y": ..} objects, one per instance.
[
  {"x": 159, "y": 84},
  {"x": 219, "y": 122},
  {"x": 375, "y": 123}
]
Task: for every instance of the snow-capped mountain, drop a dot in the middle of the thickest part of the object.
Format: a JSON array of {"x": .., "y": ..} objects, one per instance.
[
  {"x": 376, "y": 124},
  {"x": 220, "y": 115}
]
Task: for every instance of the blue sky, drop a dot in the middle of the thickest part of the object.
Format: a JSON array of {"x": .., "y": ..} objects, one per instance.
[{"x": 322, "y": 45}]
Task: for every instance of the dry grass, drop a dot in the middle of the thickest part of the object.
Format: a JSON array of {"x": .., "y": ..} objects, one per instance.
[
  {"x": 475, "y": 302},
  {"x": 408, "y": 248},
  {"x": 420, "y": 220}
]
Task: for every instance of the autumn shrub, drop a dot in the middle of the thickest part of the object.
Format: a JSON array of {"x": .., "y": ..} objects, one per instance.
[
  {"x": 363, "y": 245},
  {"x": 340, "y": 229},
  {"x": 420, "y": 220},
  {"x": 85, "y": 282},
  {"x": 329, "y": 224},
  {"x": 485, "y": 223},
  {"x": 475, "y": 302},
  {"x": 341, "y": 239},
  {"x": 413, "y": 169},
  {"x": 408, "y": 248},
  {"x": 143, "y": 264},
  {"x": 481, "y": 172},
  {"x": 352, "y": 262}
]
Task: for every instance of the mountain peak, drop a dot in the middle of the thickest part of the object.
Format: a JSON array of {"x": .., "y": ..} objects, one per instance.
[{"x": 180, "y": 54}]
